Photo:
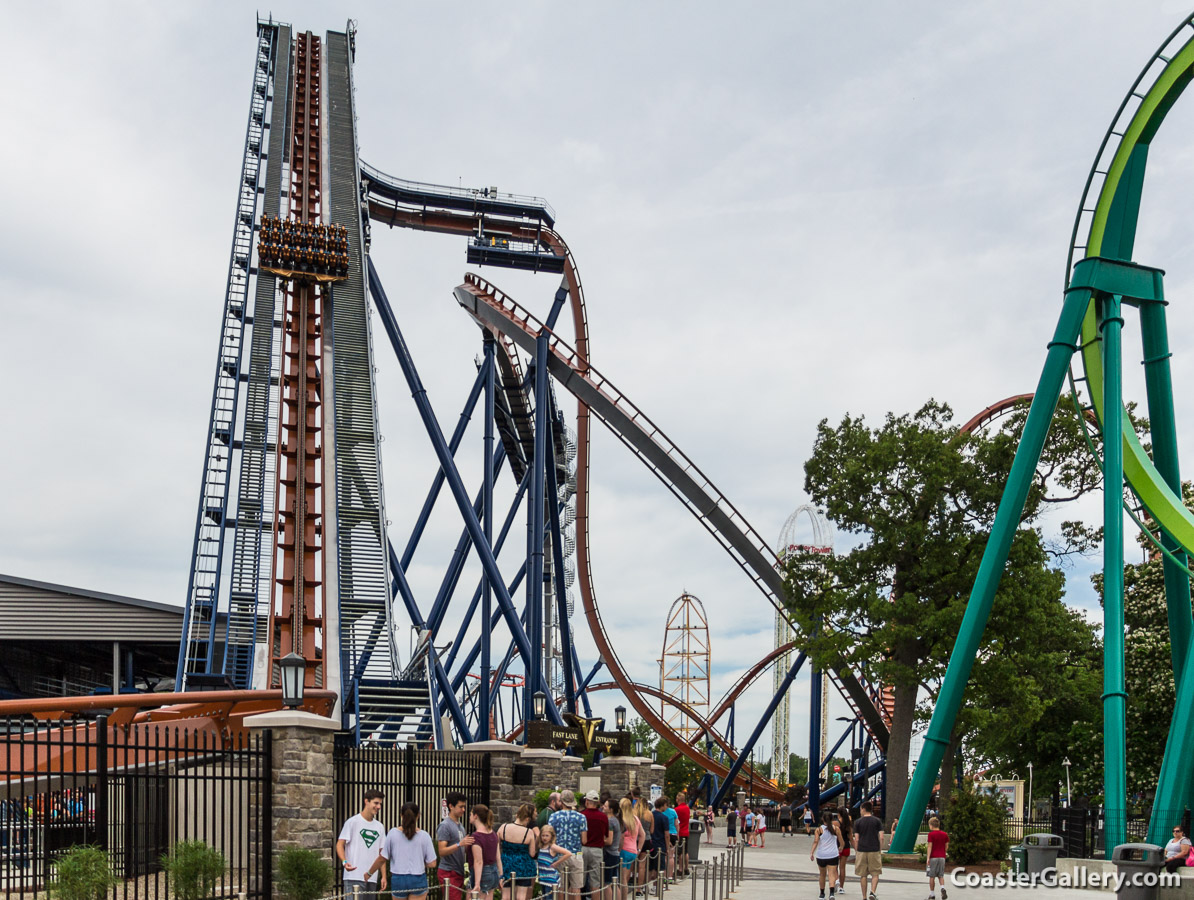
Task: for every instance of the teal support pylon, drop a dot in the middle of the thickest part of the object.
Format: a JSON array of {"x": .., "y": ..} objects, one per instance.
[
  {"x": 1177, "y": 764},
  {"x": 1159, "y": 387},
  {"x": 1108, "y": 282},
  {"x": 982, "y": 595},
  {"x": 1115, "y": 772}
]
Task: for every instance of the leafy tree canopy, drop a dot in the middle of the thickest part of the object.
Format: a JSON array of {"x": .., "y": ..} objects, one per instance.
[{"x": 917, "y": 497}]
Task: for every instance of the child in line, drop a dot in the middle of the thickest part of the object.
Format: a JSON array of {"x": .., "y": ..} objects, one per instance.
[
  {"x": 551, "y": 856},
  {"x": 938, "y": 844}
]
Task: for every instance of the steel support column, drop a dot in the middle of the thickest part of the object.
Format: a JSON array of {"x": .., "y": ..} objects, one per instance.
[
  {"x": 814, "y": 742},
  {"x": 437, "y": 483},
  {"x": 1115, "y": 777},
  {"x": 978, "y": 608},
  {"x": 487, "y": 505},
  {"x": 431, "y": 424},
  {"x": 764, "y": 719},
  {"x": 1158, "y": 382}
]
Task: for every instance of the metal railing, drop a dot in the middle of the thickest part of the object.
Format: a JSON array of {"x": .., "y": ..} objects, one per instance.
[
  {"x": 134, "y": 792},
  {"x": 459, "y": 193},
  {"x": 714, "y": 879}
]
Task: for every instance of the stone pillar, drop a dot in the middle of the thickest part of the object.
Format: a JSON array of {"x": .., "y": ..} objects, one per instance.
[
  {"x": 504, "y": 795},
  {"x": 546, "y": 768},
  {"x": 570, "y": 769},
  {"x": 619, "y": 774},
  {"x": 302, "y": 788}
]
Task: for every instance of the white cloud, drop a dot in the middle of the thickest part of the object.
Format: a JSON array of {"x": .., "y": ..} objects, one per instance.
[{"x": 782, "y": 213}]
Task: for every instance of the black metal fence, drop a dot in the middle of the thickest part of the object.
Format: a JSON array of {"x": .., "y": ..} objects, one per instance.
[
  {"x": 404, "y": 773},
  {"x": 134, "y": 790},
  {"x": 1082, "y": 830}
]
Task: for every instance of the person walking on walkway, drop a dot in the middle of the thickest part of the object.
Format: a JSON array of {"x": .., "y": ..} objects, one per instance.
[
  {"x": 731, "y": 826},
  {"x": 453, "y": 843},
  {"x": 519, "y": 853},
  {"x": 568, "y": 825},
  {"x": 827, "y": 847},
  {"x": 408, "y": 851},
  {"x": 938, "y": 848},
  {"x": 808, "y": 819},
  {"x": 359, "y": 845},
  {"x": 846, "y": 826},
  {"x": 868, "y": 850},
  {"x": 760, "y": 828},
  {"x": 785, "y": 818},
  {"x": 710, "y": 819}
]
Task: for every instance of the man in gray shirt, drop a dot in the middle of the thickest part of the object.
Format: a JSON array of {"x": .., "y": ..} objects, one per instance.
[{"x": 452, "y": 843}]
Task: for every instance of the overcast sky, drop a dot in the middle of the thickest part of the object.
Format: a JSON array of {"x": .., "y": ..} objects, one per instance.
[{"x": 781, "y": 213}]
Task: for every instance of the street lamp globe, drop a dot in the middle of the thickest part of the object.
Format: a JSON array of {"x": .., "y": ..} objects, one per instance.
[
  {"x": 620, "y": 717},
  {"x": 539, "y": 700},
  {"x": 294, "y": 670}
]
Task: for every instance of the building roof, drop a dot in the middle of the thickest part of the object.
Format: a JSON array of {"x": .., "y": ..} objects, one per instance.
[{"x": 38, "y": 610}]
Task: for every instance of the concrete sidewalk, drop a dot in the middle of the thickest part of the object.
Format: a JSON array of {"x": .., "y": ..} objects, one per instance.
[{"x": 782, "y": 870}]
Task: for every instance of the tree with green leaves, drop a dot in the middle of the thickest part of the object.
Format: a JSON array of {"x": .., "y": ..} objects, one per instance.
[{"x": 917, "y": 497}]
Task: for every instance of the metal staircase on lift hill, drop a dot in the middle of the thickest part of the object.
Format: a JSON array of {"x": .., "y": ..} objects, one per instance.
[{"x": 391, "y": 712}]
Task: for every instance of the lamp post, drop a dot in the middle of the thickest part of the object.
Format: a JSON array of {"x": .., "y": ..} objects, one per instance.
[
  {"x": 620, "y": 717},
  {"x": 539, "y": 702},
  {"x": 294, "y": 670},
  {"x": 849, "y": 781},
  {"x": 1029, "y": 791},
  {"x": 1066, "y": 762}
]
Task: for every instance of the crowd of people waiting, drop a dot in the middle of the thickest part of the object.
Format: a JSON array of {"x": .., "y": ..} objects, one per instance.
[{"x": 610, "y": 849}]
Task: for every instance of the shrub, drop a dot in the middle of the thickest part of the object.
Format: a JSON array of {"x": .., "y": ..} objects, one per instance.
[
  {"x": 541, "y": 798},
  {"x": 83, "y": 873},
  {"x": 193, "y": 868},
  {"x": 303, "y": 874},
  {"x": 922, "y": 850},
  {"x": 976, "y": 822}
]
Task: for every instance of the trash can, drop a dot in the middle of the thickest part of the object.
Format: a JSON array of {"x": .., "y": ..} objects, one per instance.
[
  {"x": 1136, "y": 862},
  {"x": 1042, "y": 851},
  {"x": 695, "y": 829},
  {"x": 1019, "y": 855}
]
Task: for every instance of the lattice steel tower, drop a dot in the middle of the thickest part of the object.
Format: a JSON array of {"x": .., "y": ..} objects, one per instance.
[
  {"x": 684, "y": 666},
  {"x": 819, "y": 539}
]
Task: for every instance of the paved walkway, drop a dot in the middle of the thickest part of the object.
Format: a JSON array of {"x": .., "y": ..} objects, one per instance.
[{"x": 783, "y": 871}]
